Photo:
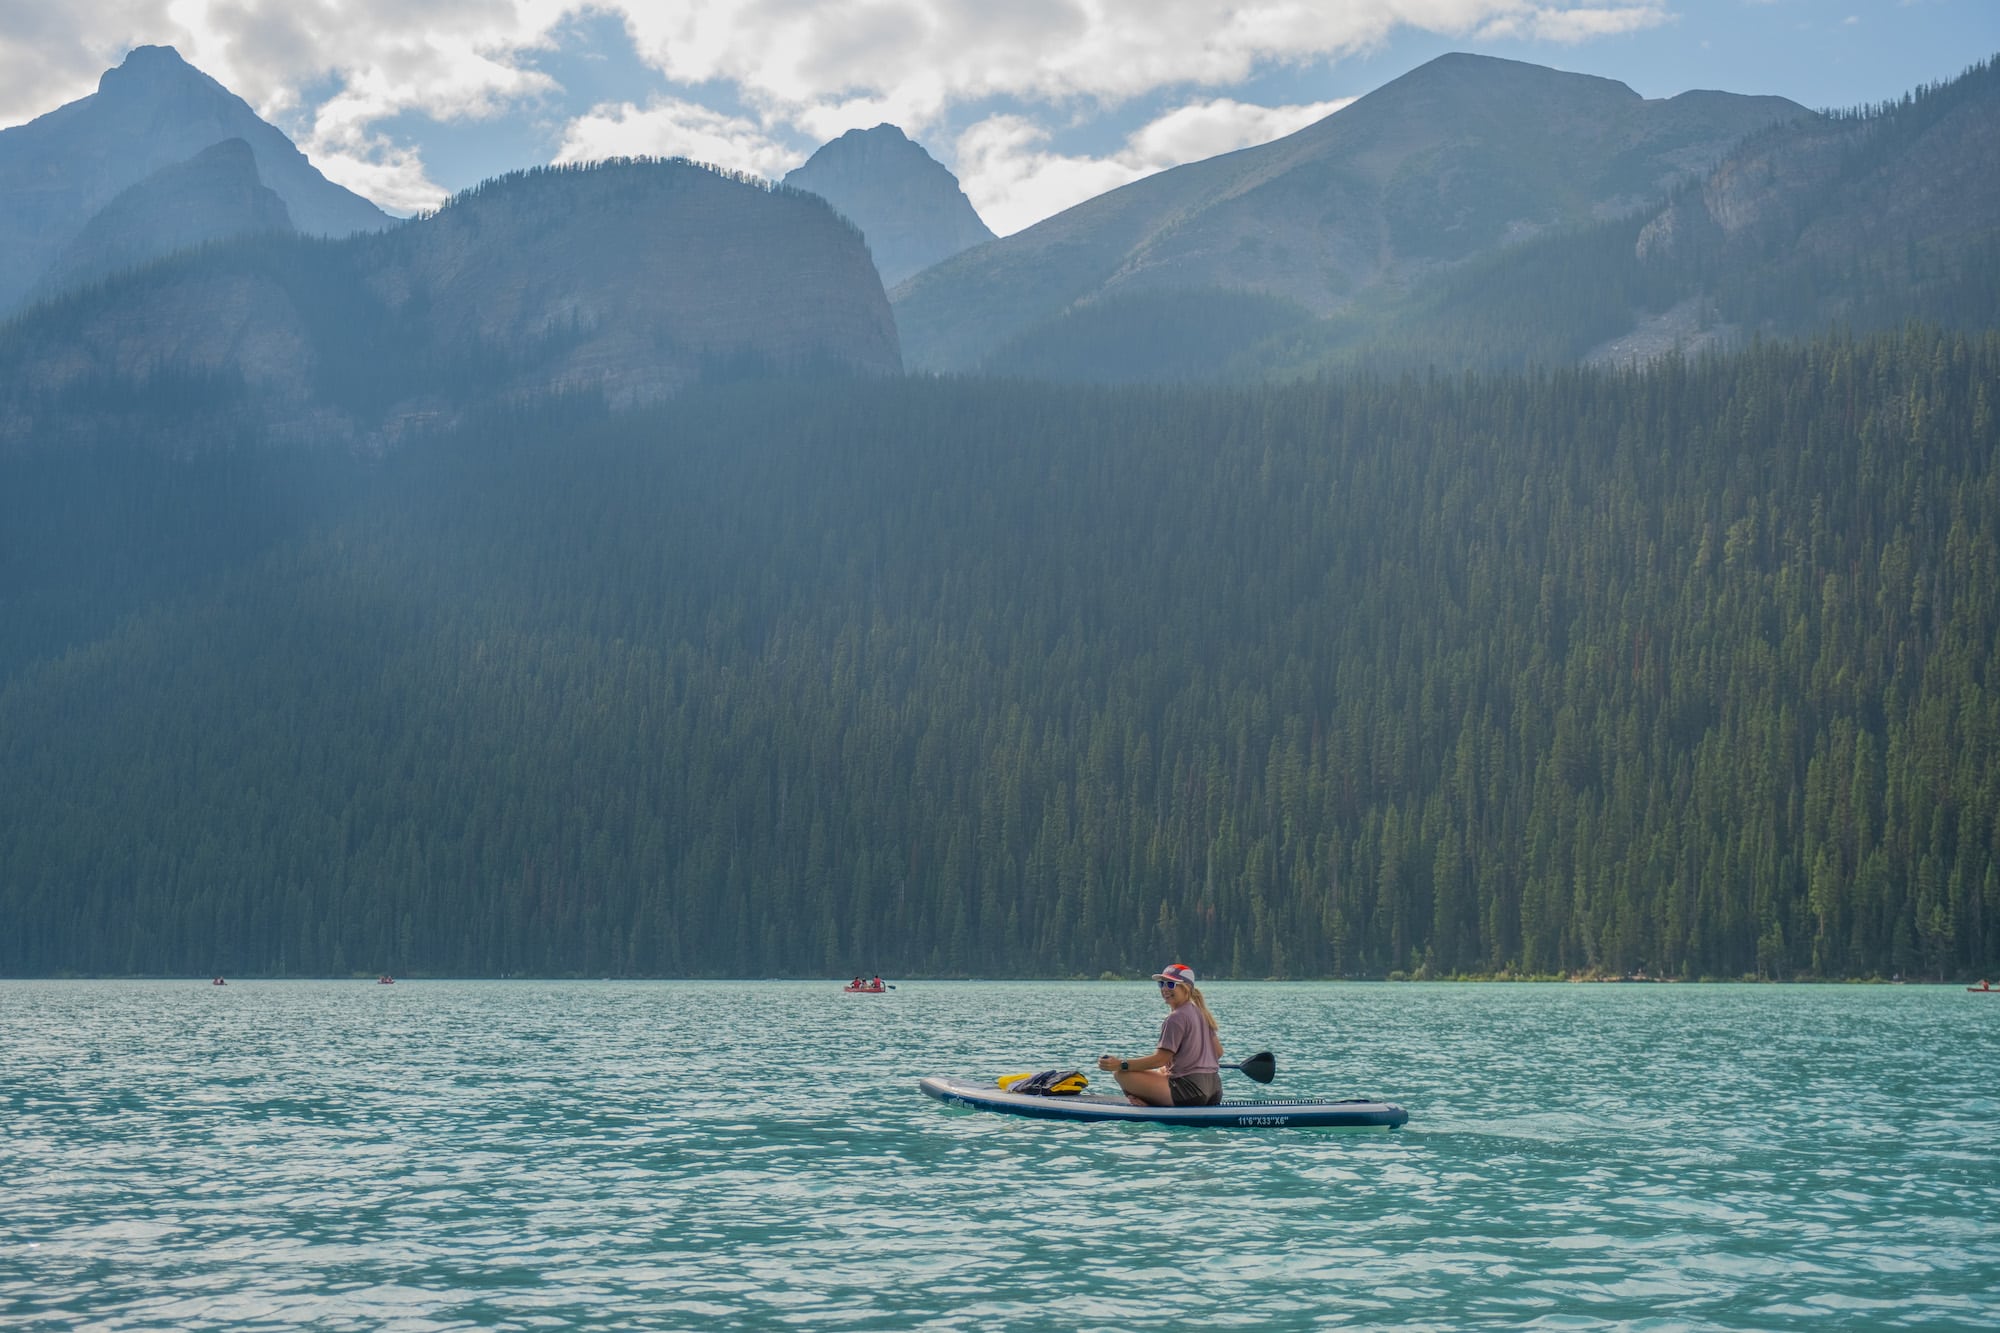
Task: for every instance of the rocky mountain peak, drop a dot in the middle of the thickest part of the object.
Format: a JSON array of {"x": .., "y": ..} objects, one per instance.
[
  {"x": 906, "y": 202},
  {"x": 214, "y": 195},
  {"x": 154, "y": 110},
  {"x": 150, "y": 66}
]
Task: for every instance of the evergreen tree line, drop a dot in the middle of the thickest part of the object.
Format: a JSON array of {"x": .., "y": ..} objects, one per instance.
[{"x": 1688, "y": 671}]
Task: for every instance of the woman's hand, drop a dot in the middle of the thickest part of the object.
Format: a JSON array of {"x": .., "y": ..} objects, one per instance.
[{"x": 1107, "y": 1062}]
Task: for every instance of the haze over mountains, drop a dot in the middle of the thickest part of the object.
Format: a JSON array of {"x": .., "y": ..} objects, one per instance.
[{"x": 152, "y": 111}]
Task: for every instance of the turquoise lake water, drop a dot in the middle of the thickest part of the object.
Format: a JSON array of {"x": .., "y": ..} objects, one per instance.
[{"x": 438, "y": 1155}]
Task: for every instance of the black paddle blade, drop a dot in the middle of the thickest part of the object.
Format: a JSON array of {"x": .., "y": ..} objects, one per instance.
[{"x": 1263, "y": 1067}]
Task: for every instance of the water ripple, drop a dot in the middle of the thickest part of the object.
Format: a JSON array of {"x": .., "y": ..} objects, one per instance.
[{"x": 458, "y": 1155}]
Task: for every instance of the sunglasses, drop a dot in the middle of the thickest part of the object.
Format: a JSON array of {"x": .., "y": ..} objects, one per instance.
[{"x": 1168, "y": 985}]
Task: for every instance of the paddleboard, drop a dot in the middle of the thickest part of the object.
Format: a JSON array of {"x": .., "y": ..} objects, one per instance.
[{"x": 1354, "y": 1114}]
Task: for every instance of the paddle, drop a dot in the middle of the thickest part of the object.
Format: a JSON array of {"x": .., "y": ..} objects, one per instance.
[{"x": 1261, "y": 1068}]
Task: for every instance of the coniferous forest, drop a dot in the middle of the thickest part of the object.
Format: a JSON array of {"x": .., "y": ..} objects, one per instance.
[{"x": 1689, "y": 671}]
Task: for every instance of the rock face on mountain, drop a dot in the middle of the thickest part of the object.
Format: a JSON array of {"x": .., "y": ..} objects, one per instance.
[
  {"x": 214, "y": 195},
  {"x": 629, "y": 278},
  {"x": 640, "y": 271},
  {"x": 904, "y": 200},
  {"x": 154, "y": 110},
  {"x": 1454, "y": 159},
  {"x": 1914, "y": 177}
]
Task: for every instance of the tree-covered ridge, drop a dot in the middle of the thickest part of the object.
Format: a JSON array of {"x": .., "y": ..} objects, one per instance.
[{"x": 1689, "y": 671}]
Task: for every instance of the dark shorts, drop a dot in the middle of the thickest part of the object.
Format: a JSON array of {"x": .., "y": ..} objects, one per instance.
[{"x": 1196, "y": 1089}]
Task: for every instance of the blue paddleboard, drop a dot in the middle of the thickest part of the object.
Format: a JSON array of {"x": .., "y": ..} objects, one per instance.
[{"x": 1356, "y": 1114}]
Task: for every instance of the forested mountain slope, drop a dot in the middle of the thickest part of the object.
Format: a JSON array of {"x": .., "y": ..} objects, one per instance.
[
  {"x": 630, "y": 279},
  {"x": 1862, "y": 221},
  {"x": 1690, "y": 671},
  {"x": 1452, "y": 160}
]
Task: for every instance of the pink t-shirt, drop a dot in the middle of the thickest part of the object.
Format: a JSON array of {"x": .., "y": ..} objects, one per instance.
[{"x": 1193, "y": 1046}]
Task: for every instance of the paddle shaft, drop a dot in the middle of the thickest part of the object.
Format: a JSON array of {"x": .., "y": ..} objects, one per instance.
[{"x": 1261, "y": 1067}]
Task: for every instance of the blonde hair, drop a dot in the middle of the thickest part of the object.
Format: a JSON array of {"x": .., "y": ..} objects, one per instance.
[{"x": 1206, "y": 1017}]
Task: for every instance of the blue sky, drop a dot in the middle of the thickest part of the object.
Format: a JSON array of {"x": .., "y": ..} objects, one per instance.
[{"x": 1035, "y": 104}]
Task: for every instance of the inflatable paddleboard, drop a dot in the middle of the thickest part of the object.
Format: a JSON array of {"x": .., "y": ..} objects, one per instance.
[{"x": 1355, "y": 1114}]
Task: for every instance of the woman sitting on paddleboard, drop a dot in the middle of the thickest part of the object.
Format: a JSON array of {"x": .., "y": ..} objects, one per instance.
[{"x": 1184, "y": 1071}]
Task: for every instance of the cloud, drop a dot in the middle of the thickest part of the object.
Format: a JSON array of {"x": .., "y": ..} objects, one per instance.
[
  {"x": 390, "y": 174},
  {"x": 792, "y": 57},
  {"x": 51, "y": 54},
  {"x": 1014, "y": 181},
  {"x": 1205, "y": 129},
  {"x": 1570, "y": 25},
  {"x": 667, "y": 127},
  {"x": 793, "y": 73}
]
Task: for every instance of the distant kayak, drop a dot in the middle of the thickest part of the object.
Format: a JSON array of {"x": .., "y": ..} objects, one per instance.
[
  {"x": 1984, "y": 990},
  {"x": 852, "y": 989},
  {"x": 1358, "y": 1113}
]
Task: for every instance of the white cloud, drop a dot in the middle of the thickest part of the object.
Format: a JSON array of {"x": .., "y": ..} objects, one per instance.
[
  {"x": 335, "y": 71},
  {"x": 1014, "y": 181},
  {"x": 1570, "y": 25},
  {"x": 51, "y": 54},
  {"x": 1204, "y": 129},
  {"x": 666, "y": 127},
  {"x": 391, "y": 174}
]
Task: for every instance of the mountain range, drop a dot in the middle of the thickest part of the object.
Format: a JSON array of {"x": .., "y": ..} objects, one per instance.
[
  {"x": 151, "y": 112},
  {"x": 626, "y": 279},
  {"x": 1459, "y": 157},
  {"x": 1473, "y": 213}
]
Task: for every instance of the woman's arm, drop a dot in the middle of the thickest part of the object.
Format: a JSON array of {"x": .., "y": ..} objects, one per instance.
[{"x": 1159, "y": 1059}]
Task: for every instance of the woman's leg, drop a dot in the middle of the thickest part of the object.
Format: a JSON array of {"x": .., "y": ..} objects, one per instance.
[{"x": 1145, "y": 1087}]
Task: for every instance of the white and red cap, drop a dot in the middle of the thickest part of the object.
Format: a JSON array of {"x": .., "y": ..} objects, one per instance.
[{"x": 1180, "y": 972}]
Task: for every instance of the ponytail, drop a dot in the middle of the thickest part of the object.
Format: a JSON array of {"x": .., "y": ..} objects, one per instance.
[{"x": 1215, "y": 1033}]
